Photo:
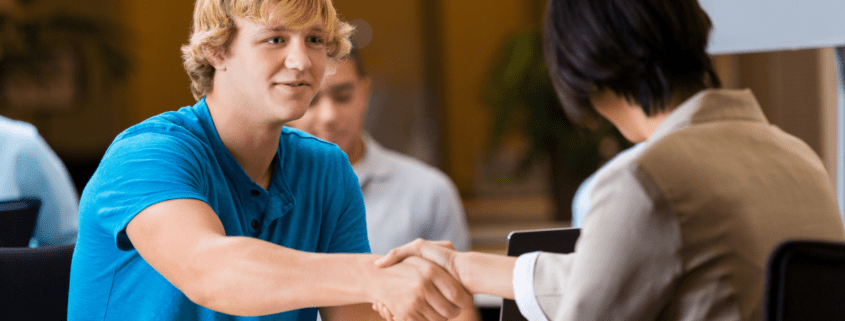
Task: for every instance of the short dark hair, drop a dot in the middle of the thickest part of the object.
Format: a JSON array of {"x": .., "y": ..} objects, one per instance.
[
  {"x": 643, "y": 50},
  {"x": 355, "y": 56}
]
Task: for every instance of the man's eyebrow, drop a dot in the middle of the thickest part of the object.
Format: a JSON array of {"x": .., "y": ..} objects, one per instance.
[
  {"x": 283, "y": 28},
  {"x": 274, "y": 28},
  {"x": 340, "y": 87}
]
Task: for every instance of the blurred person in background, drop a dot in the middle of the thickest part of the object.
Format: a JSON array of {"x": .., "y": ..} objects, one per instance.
[
  {"x": 405, "y": 198},
  {"x": 30, "y": 168}
]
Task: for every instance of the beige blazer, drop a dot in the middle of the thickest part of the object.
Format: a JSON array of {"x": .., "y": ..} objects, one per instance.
[{"x": 681, "y": 227}]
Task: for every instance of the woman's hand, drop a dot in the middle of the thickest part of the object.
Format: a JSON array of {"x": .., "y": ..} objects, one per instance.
[{"x": 441, "y": 253}]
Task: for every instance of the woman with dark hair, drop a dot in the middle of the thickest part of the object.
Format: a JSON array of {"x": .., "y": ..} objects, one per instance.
[{"x": 681, "y": 225}]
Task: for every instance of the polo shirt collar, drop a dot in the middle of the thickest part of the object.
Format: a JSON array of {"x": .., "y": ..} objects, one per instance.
[{"x": 237, "y": 174}]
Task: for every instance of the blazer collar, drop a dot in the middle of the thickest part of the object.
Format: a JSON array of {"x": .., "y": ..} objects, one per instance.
[{"x": 711, "y": 105}]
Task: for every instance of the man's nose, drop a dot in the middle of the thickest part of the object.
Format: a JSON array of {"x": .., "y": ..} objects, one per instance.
[
  {"x": 325, "y": 112},
  {"x": 297, "y": 56}
]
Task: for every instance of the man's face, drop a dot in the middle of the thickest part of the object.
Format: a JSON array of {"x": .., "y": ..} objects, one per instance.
[
  {"x": 337, "y": 112},
  {"x": 271, "y": 71}
]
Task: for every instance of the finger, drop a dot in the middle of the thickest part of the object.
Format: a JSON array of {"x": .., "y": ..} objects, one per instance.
[
  {"x": 390, "y": 259},
  {"x": 446, "y": 244},
  {"x": 454, "y": 291},
  {"x": 427, "y": 312},
  {"x": 437, "y": 254},
  {"x": 384, "y": 312},
  {"x": 398, "y": 254},
  {"x": 441, "y": 286}
]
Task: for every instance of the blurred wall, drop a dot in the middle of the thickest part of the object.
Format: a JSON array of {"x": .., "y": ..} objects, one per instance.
[
  {"x": 473, "y": 30},
  {"x": 795, "y": 88},
  {"x": 159, "y": 83},
  {"x": 85, "y": 129},
  {"x": 429, "y": 60},
  {"x": 391, "y": 37}
]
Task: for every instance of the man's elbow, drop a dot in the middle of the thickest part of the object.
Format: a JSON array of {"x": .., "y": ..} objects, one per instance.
[{"x": 209, "y": 291}]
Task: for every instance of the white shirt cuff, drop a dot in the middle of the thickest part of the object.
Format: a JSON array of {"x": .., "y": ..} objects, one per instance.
[{"x": 523, "y": 287}]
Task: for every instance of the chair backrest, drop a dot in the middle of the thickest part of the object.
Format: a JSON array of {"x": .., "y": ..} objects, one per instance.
[
  {"x": 17, "y": 221},
  {"x": 558, "y": 240},
  {"x": 34, "y": 282},
  {"x": 806, "y": 281}
]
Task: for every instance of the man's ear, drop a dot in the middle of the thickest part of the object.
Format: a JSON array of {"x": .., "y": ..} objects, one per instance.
[{"x": 216, "y": 58}]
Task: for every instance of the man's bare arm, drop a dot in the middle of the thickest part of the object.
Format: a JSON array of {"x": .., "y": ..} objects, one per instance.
[
  {"x": 362, "y": 312},
  {"x": 185, "y": 241}
]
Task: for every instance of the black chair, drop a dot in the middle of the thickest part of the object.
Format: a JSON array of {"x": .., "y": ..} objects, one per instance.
[
  {"x": 555, "y": 240},
  {"x": 34, "y": 282},
  {"x": 806, "y": 281},
  {"x": 17, "y": 221}
]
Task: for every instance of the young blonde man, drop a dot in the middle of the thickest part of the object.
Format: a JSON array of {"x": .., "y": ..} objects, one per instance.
[{"x": 217, "y": 210}]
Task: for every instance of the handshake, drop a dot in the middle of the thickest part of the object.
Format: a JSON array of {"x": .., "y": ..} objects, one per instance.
[{"x": 434, "y": 282}]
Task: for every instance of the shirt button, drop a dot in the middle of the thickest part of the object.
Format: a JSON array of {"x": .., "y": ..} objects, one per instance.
[
  {"x": 255, "y": 224},
  {"x": 255, "y": 192}
]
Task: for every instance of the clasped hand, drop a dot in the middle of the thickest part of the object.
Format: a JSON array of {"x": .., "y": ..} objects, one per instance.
[{"x": 445, "y": 295}]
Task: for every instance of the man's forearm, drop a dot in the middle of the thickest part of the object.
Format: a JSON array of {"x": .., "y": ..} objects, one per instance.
[
  {"x": 248, "y": 276},
  {"x": 242, "y": 275},
  {"x": 245, "y": 276}
]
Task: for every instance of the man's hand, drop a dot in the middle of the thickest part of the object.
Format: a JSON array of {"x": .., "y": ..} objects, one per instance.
[{"x": 416, "y": 289}]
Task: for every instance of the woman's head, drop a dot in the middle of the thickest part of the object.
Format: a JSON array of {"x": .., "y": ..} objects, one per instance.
[
  {"x": 213, "y": 28},
  {"x": 644, "y": 50}
]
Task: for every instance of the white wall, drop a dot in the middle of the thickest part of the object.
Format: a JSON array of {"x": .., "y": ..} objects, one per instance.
[{"x": 771, "y": 25}]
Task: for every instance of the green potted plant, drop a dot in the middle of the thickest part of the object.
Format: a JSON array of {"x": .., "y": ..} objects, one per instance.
[{"x": 521, "y": 97}]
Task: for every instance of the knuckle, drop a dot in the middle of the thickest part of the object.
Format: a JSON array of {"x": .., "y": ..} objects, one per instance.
[{"x": 452, "y": 293}]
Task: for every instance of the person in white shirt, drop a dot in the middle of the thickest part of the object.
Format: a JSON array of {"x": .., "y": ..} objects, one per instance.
[
  {"x": 29, "y": 168},
  {"x": 405, "y": 198}
]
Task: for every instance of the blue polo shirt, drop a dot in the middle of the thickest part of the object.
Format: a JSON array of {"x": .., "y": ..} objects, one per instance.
[{"x": 313, "y": 204}]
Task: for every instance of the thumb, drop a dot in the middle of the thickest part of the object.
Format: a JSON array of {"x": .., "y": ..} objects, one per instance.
[{"x": 394, "y": 256}]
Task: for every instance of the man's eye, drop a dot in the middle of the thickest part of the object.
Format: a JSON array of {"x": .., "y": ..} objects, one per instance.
[
  {"x": 342, "y": 98},
  {"x": 275, "y": 40},
  {"x": 316, "y": 39}
]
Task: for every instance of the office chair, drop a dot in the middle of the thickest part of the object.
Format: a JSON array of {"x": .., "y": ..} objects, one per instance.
[
  {"x": 805, "y": 281},
  {"x": 555, "y": 240},
  {"x": 34, "y": 282},
  {"x": 17, "y": 221}
]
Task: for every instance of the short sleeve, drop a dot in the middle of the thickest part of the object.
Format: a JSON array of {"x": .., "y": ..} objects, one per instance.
[{"x": 140, "y": 170}]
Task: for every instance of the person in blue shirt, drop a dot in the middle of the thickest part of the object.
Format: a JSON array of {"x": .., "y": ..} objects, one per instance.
[{"x": 219, "y": 212}]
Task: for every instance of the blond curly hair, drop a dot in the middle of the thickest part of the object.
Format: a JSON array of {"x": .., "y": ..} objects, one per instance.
[{"x": 213, "y": 27}]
